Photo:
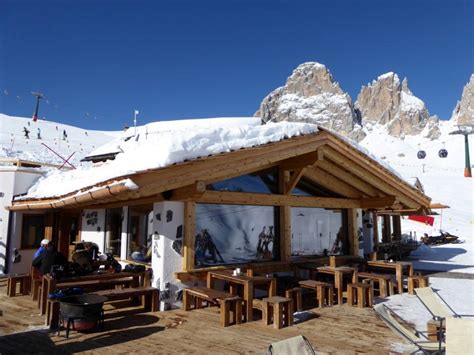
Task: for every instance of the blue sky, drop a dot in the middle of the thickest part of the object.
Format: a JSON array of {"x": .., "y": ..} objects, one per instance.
[{"x": 97, "y": 61}]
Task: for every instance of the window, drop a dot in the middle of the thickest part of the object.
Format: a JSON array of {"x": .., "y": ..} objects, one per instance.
[
  {"x": 265, "y": 182},
  {"x": 227, "y": 234},
  {"x": 32, "y": 230},
  {"x": 113, "y": 231},
  {"x": 317, "y": 231},
  {"x": 139, "y": 235}
]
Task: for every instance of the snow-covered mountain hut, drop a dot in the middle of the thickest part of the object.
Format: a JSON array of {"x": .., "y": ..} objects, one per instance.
[{"x": 186, "y": 196}]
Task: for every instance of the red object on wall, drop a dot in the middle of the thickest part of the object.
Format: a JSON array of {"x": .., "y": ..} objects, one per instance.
[{"x": 422, "y": 219}]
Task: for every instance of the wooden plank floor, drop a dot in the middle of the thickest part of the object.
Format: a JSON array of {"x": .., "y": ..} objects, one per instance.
[{"x": 336, "y": 330}]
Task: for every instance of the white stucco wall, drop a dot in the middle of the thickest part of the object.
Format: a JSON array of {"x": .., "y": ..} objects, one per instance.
[
  {"x": 168, "y": 233},
  {"x": 93, "y": 227},
  {"x": 14, "y": 181}
]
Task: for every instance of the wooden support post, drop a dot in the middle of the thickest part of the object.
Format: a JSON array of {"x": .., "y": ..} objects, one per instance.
[
  {"x": 285, "y": 219},
  {"x": 352, "y": 230},
  {"x": 189, "y": 235},
  {"x": 375, "y": 225}
]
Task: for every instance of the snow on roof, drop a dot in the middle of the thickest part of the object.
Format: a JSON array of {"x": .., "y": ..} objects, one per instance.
[{"x": 160, "y": 144}]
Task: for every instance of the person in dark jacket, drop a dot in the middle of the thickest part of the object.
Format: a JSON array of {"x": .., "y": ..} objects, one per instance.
[{"x": 49, "y": 258}]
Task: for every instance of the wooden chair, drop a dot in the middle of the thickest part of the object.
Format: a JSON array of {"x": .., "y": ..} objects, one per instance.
[
  {"x": 282, "y": 311},
  {"x": 384, "y": 281},
  {"x": 24, "y": 280},
  {"x": 360, "y": 294},
  {"x": 324, "y": 291},
  {"x": 295, "y": 294},
  {"x": 417, "y": 281}
]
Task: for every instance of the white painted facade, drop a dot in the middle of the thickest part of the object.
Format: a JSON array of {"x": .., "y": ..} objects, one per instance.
[
  {"x": 168, "y": 233},
  {"x": 14, "y": 181}
]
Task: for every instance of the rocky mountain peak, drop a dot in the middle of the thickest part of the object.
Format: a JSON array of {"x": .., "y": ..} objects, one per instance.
[
  {"x": 311, "y": 95},
  {"x": 387, "y": 102},
  {"x": 463, "y": 113}
]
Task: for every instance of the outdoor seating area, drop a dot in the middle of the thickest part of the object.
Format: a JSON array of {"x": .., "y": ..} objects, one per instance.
[
  {"x": 47, "y": 293},
  {"x": 128, "y": 329},
  {"x": 271, "y": 294}
]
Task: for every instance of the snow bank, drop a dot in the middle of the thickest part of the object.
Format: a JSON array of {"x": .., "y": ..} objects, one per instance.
[{"x": 156, "y": 147}]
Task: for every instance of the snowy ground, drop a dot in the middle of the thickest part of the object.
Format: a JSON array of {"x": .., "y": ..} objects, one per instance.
[
  {"x": 14, "y": 144},
  {"x": 444, "y": 182}
]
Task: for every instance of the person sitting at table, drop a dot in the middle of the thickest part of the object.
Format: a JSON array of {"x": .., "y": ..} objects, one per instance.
[
  {"x": 41, "y": 249},
  {"x": 51, "y": 256}
]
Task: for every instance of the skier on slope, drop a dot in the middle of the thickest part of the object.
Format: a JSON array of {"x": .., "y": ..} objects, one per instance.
[
  {"x": 39, "y": 133},
  {"x": 27, "y": 133}
]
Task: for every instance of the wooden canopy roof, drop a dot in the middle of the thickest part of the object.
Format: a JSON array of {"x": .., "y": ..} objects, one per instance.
[{"x": 323, "y": 158}]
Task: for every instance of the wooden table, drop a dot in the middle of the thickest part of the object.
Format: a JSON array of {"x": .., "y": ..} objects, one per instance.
[
  {"x": 339, "y": 273},
  {"x": 398, "y": 266},
  {"x": 49, "y": 284},
  {"x": 248, "y": 283}
]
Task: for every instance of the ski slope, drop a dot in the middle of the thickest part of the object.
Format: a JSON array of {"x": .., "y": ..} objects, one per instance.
[
  {"x": 443, "y": 180},
  {"x": 80, "y": 142}
]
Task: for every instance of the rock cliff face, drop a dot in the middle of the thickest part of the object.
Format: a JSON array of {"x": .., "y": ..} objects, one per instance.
[
  {"x": 388, "y": 102},
  {"x": 311, "y": 95},
  {"x": 463, "y": 113}
]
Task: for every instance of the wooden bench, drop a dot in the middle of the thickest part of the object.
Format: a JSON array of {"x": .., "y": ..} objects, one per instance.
[
  {"x": 196, "y": 295},
  {"x": 25, "y": 284},
  {"x": 385, "y": 282},
  {"x": 150, "y": 294}
]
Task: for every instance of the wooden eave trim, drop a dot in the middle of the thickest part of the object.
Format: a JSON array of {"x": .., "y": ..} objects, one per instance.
[
  {"x": 366, "y": 174},
  {"x": 379, "y": 170},
  {"x": 86, "y": 198}
]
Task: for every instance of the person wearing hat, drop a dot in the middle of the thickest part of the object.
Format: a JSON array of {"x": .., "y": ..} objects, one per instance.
[{"x": 41, "y": 249}]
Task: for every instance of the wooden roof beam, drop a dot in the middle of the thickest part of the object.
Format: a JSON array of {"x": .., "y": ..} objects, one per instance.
[
  {"x": 349, "y": 178},
  {"x": 331, "y": 183},
  {"x": 188, "y": 193},
  {"x": 302, "y": 161},
  {"x": 246, "y": 198},
  {"x": 365, "y": 174},
  {"x": 377, "y": 170},
  {"x": 378, "y": 202}
]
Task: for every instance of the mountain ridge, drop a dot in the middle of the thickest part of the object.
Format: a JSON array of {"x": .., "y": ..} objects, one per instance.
[{"x": 311, "y": 94}]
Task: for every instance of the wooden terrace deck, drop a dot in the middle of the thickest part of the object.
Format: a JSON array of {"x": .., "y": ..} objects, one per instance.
[{"x": 335, "y": 330}]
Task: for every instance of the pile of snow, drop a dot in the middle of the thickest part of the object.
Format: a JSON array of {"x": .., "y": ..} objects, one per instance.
[
  {"x": 160, "y": 144},
  {"x": 15, "y": 145}
]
